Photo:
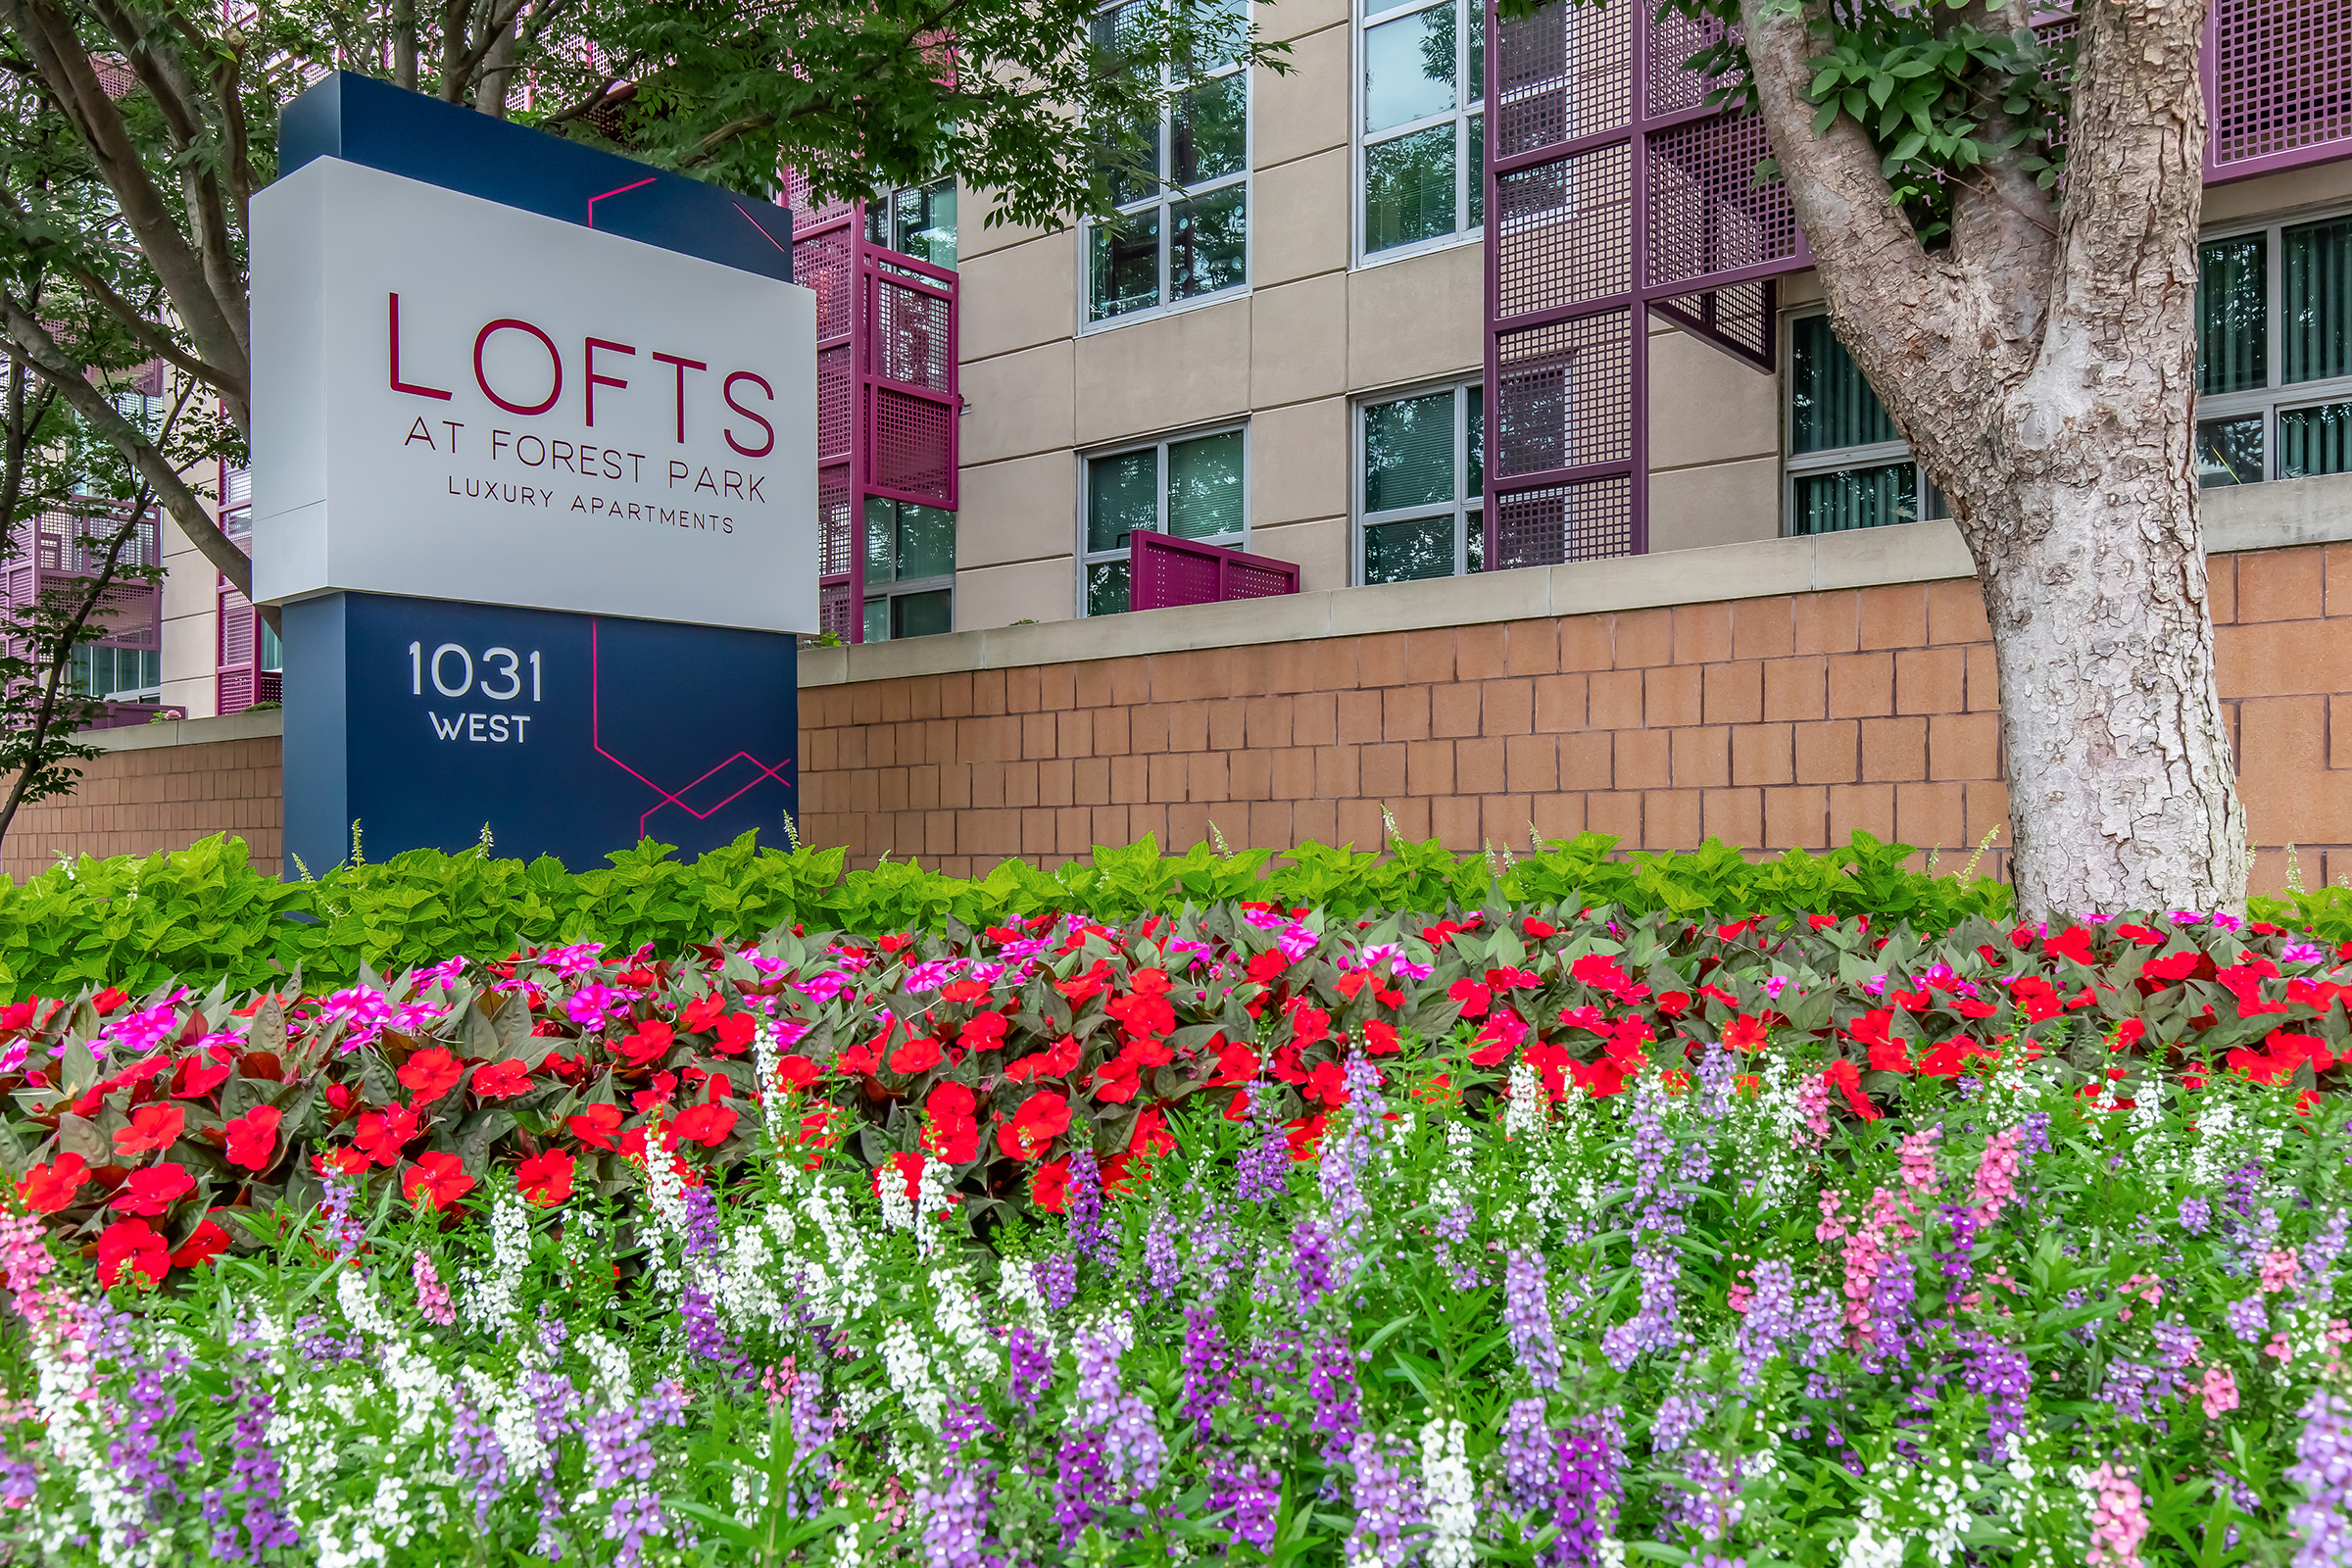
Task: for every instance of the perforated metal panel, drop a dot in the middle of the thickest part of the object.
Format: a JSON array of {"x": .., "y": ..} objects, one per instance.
[
  {"x": 1563, "y": 233},
  {"x": 1705, "y": 213},
  {"x": 2280, "y": 74},
  {"x": 1560, "y": 524},
  {"x": 886, "y": 388},
  {"x": 45, "y": 554},
  {"x": 1163, "y": 572},
  {"x": 1564, "y": 395}
]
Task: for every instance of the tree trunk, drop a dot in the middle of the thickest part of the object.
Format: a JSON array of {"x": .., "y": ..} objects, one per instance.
[{"x": 2044, "y": 368}]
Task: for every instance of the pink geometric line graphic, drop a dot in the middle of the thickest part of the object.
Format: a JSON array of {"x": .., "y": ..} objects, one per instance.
[
  {"x": 675, "y": 796},
  {"x": 755, "y": 223},
  {"x": 615, "y": 191}
]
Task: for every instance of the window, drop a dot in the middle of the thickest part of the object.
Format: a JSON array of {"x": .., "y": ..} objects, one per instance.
[
  {"x": 1421, "y": 477},
  {"x": 1848, "y": 465},
  {"x": 123, "y": 674},
  {"x": 1192, "y": 487},
  {"x": 910, "y": 569},
  {"x": 1181, "y": 232},
  {"x": 2275, "y": 353},
  {"x": 918, "y": 220},
  {"x": 1423, "y": 137}
]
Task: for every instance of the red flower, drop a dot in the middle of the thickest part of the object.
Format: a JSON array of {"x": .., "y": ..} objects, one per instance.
[
  {"x": 983, "y": 1032},
  {"x": 702, "y": 1012},
  {"x": 1306, "y": 1135},
  {"x": 546, "y": 1180},
  {"x": 252, "y": 1138},
  {"x": 382, "y": 1133},
  {"x": 797, "y": 1072},
  {"x": 1473, "y": 996},
  {"x": 918, "y": 1054},
  {"x": 501, "y": 1080},
  {"x": 1380, "y": 1039},
  {"x": 107, "y": 1001},
  {"x": 1043, "y": 1118},
  {"x": 430, "y": 1073},
  {"x": 906, "y": 1168},
  {"x": 1048, "y": 1189},
  {"x": 735, "y": 1032},
  {"x": 1743, "y": 1033},
  {"x": 46, "y": 1188},
  {"x": 707, "y": 1124},
  {"x": 1674, "y": 1004},
  {"x": 594, "y": 1125},
  {"x": 1540, "y": 929},
  {"x": 342, "y": 1159},
  {"x": 437, "y": 1180},
  {"x": 1328, "y": 1082},
  {"x": 154, "y": 1189},
  {"x": 132, "y": 1243},
  {"x": 197, "y": 1078},
  {"x": 152, "y": 1127},
  {"x": 954, "y": 1136},
  {"x": 1267, "y": 965},
  {"x": 208, "y": 1242},
  {"x": 650, "y": 1044},
  {"x": 1600, "y": 1078},
  {"x": 1890, "y": 1056},
  {"x": 1843, "y": 1076},
  {"x": 1058, "y": 1060}
]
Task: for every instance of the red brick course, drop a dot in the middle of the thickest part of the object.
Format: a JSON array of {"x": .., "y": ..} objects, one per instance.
[{"x": 157, "y": 798}]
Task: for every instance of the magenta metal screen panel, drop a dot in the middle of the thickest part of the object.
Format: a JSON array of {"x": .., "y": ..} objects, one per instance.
[
  {"x": 1163, "y": 572},
  {"x": 45, "y": 554},
  {"x": 1614, "y": 192},
  {"x": 887, "y": 398},
  {"x": 2277, "y": 86}
]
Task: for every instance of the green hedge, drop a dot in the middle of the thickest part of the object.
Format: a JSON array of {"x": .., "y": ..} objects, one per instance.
[{"x": 205, "y": 913}]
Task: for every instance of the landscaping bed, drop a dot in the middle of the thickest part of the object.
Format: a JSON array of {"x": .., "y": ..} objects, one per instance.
[{"x": 1553, "y": 1231}]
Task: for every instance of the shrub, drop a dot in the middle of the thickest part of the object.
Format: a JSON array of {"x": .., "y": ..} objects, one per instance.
[
  {"x": 1693, "y": 1242},
  {"x": 204, "y": 915}
]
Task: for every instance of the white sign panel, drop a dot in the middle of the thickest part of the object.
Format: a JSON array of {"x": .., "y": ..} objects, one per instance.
[{"x": 459, "y": 400}]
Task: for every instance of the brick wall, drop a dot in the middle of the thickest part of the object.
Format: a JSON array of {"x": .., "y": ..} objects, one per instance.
[
  {"x": 1769, "y": 722},
  {"x": 136, "y": 802}
]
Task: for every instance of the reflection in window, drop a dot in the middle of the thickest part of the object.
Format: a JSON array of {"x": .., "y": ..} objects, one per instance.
[
  {"x": 910, "y": 569},
  {"x": 1848, "y": 465},
  {"x": 1424, "y": 138},
  {"x": 1420, "y": 479},
  {"x": 1182, "y": 188},
  {"x": 1194, "y": 487},
  {"x": 918, "y": 220},
  {"x": 2273, "y": 323}
]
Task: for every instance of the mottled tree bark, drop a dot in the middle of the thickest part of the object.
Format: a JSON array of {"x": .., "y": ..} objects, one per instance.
[{"x": 2043, "y": 370}]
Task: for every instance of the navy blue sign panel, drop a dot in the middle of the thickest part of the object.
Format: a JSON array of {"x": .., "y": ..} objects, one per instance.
[
  {"x": 568, "y": 735},
  {"x": 363, "y": 121}
]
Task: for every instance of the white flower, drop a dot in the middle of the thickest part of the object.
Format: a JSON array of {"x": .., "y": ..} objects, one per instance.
[{"x": 1447, "y": 1483}]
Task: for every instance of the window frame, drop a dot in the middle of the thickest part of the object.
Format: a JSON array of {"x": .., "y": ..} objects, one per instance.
[
  {"x": 889, "y": 591},
  {"x": 888, "y": 201},
  {"x": 2275, "y": 397},
  {"x": 1468, "y": 182},
  {"x": 1164, "y": 198},
  {"x": 1796, "y": 466},
  {"x": 1088, "y": 457},
  {"x": 1469, "y": 507}
]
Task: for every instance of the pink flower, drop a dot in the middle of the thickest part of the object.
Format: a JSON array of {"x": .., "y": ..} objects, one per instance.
[
  {"x": 432, "y": 1297},
  {"x": 2302, "y": 952},
  {"x": 2280, "y": 1268},
  {"x": 1919, "y": 1160},
  {"x": 141, "y": 1032},
  {"x": 2119, "y": 1522},
  {"x": 1996, "y": 1175},
  {"x": 2219, "y": 1392}
]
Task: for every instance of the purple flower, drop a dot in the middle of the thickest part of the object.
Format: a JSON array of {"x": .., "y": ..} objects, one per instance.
[
  {"x": 1252, "y": 1494},
  {"x": 477, "y": 1457},
  {"x": 1311, "y": 1262},
  {"x": 2005, "y": 1377},
  {"x": 1080, "y": 1483},
  {"x": 2197, "y": 1215},
  {"x": 1207, "y": 1368},
  {"x": 2323, "y": 1468},
  {"x": 1089, "y": 1236},
  {"x": 1387, "y": 1496},
  {"x": 1056, "y": 1277},
  {"x": 255, "y": 1476},
  {"x": 621, "y": 1455},
  {"x": 2249, "y": 1320},
  {"x": 1331, "y": 1384},
  {"x": 1263, "y": 1174},
  {"x": 1032, "y": 1367},
  {"x": 1526, "y": 1312}
]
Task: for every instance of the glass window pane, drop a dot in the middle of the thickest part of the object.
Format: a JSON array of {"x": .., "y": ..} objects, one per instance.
[
  {"x": 2315, "y": 441},
  {"x": 1399, "y": 552},
  {"x": 1123, "y": 265},
  {"x": 1211, "y": 131},
  {"x": 877, "y": 222},
  {"x": 1473, "y": 80},
  {"x": 1204, "y": 486},
  {"x": 923, "y": 223},
  {"x": 1857, "y": 498},
  {"x": 1132, "y": 164},
  {"x": 877, "y": 621},
  {"x": 1478, "y": 445},
  {"x": 881, "y": 528},
  {"x": 2319, "y": 301},
  {"x": 1408, "y": 67},
  {"x": 1208, "y": 248},
  {"x": 273, "y": 656},
  {"x": 1122, "y": 494},
  {"x": 2232, "y": 336},
  {"x": 923, "y": 614},
  {"x": 926, "y": 541},
  {"x": 1408, "y": 452},
  {"x": 1474, "y": 540},
  {"x": 1831, "y": 404},
  {"x": 1475, "y": 164},
  {"x": 2230, "y": 452},
  {"x": 1106, "y": 588},
  {"x": 86, "y": 674},
  {"x": 1408, "y": 188}
]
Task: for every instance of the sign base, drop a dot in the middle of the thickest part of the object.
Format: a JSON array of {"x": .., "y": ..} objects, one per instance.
[{"x": 426, "y": 721}]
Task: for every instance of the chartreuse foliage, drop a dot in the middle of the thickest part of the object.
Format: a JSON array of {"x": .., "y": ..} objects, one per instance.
[{"x": 205, "y": 913}]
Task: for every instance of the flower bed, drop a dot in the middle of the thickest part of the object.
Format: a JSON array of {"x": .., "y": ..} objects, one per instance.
[{"x": 1543, "y": 1235}]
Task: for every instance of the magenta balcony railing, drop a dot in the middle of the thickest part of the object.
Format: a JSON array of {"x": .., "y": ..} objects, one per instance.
[
  {"x": 46, "y": 553},
  {"x": 886, "y": 388},
  {"x": 1613, "y": 192},
  {"x": 1163, "y": 572}
]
